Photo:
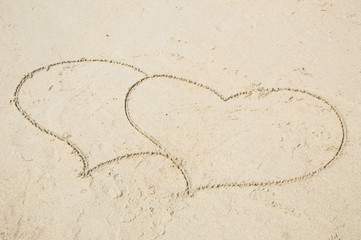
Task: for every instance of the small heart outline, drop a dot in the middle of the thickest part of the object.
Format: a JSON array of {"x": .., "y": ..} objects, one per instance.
[{"x": 86, "y": 171}]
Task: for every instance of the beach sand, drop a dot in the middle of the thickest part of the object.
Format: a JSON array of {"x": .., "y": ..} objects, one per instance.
[{"x": 180, "y": 119}]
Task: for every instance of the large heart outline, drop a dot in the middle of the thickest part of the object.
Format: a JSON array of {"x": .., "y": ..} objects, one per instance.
[
  {"x": 188, "y": 189},
  {"x": 174, "y": 159}
]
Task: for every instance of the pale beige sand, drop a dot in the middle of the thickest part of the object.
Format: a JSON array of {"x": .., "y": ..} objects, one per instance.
[{"x": 180, "y": 119}]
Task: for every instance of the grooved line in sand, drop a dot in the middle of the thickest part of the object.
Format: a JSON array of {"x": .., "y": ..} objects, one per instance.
[{"x": 86, "y": 172}]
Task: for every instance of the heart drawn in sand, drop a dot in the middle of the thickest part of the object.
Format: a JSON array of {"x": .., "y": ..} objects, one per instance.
[
  {"x": 252, "y": 138},
  {"x": 256, "y": 137},
  {"x": 81, "y": 103}
]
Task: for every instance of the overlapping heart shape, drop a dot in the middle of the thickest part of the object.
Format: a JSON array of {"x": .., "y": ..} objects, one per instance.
[
  {"x": 221, "y": 141},
  {"x": 217, "y": 141},
  {"x": 61, "y": 94}
]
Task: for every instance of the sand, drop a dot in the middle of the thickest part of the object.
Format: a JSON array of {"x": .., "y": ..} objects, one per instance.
[{"x": 180, "y": 119}]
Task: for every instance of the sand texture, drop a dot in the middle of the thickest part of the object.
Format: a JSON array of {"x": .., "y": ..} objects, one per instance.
[{"x": 180, "y": 119}]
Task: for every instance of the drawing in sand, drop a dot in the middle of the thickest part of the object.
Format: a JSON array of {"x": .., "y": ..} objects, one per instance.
[{"x": 194, "y": 168}]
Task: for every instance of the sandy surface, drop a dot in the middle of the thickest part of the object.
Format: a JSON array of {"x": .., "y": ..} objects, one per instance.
[{"x": 180, "y": 119}]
